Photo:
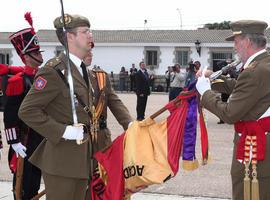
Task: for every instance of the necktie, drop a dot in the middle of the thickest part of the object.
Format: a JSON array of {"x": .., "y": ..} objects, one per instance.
[{"x": 85, "y": 75}]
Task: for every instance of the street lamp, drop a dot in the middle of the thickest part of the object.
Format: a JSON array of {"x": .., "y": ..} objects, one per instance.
[
  {"x": 180, "y": 16},
  {"x": 145, "y": 22},
  {"x": 198, "y": 47}
]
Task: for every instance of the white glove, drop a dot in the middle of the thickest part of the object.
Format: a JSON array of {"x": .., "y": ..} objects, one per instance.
[
  {"x": 73, "y": 133},
  {"x": 1, "y": 153},
  {"x": 129, "y": 124},
  {"x": 19, "y": 149},
  {"x": 203, "y": 84}
]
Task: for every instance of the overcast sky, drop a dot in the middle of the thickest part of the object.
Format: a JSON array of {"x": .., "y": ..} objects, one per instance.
[{"x": 126, "y": 14}]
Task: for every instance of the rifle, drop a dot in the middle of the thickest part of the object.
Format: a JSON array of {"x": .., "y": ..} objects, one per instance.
[
  {"x": 39, "y": 195},
  {"x": 19, "y": 170},
  {"x": 19, "y": 177}
]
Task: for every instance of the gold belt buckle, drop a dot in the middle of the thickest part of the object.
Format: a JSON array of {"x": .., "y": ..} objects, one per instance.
[{"x": 86, "y": 109}]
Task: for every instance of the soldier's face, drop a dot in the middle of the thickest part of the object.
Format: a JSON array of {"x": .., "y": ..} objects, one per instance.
[
  {"x": 82, "y": 39},
  {"x": 241, "y": 46},
  {"x": 34, "y": 59}
]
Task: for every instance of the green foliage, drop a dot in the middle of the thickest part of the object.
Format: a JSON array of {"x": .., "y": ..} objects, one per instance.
[{"x": 218, "y": 26}]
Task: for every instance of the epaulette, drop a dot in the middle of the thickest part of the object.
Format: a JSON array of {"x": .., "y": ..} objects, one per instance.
[
  {"x": 98, "y": 70},
  {"x": 15, "y": 69},
  {"x": 15, "y": 85},
  {"x": 53, "y": 62},
  {"x": 252, "y": 65},
  {"x": 11, "y": 70}
]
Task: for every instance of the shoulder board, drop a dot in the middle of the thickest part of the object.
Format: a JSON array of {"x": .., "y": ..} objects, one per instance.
[
  {"x": 15, "y": 85},
  {"x": 3, "y": 69},
  {"x": 53, "y": 62},
  {"x": 98, "y": 70},
  {"x": 252, "y": 65}
]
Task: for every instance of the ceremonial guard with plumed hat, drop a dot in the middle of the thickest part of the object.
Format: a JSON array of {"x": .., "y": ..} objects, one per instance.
[{"x": 22, "y": 139}]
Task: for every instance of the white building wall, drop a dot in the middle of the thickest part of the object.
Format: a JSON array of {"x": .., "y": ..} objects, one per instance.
[
  {"x": 15, "y": 59},
  {"x": 49, "y": 53},
  {"x": 113, "y": 58},
  {"x": 167, "y": 57},
  {"x": 203, "y": 58}
]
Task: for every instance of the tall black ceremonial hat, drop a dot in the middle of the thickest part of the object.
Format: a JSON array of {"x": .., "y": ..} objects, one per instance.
[{"x": 25, "y": 40}]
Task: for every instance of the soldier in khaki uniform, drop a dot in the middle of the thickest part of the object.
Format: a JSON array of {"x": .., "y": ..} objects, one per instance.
[
  {"x": 109, "y": 100},
  {"x": 248, "y": 108},
  {"x": 65, "y": 165}
]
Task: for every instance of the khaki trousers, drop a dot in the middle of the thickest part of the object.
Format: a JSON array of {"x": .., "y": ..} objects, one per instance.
[{"x": 64, "y": 188}]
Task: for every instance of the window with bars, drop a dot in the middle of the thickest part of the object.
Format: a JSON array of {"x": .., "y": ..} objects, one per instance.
[
  {"x": 151, "y": 57},
  {"x": 181, "y": 57},
  {"x": 4, "y": 58},
  {"x": 218, "y": 57}
]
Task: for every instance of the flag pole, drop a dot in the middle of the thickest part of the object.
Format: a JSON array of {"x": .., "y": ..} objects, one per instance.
[{"x": 175, "y": 101}]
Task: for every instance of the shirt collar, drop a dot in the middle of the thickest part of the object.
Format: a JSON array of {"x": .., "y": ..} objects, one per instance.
[
  {"x": 250, "y": 59},
  {"x": 77, "y": 61},
  {"x": 143, "y": 70}
]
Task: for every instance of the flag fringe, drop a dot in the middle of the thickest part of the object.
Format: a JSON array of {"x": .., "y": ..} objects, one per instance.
[{"x": 190, "y": 165}]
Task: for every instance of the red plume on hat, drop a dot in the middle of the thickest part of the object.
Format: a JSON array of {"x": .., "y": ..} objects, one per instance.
[{"x": 28, "y": 18}]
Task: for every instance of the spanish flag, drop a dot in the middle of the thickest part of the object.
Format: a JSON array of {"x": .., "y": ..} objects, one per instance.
[{"x": 147, "y": 153}]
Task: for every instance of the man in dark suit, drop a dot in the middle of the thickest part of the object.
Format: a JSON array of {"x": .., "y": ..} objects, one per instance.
[
  {"x": 142, "y": 90},
  {"x": 248, "y": 108}
]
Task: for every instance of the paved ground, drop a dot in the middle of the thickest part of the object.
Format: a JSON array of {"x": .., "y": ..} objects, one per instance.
[{"x": 206, "y": 183}]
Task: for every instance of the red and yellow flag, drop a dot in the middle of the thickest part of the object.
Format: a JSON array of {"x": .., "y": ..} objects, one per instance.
[{"x": 147, "y": 153}]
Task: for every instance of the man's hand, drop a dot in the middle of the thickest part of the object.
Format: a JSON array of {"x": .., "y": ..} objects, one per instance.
[
  {"x": 203, "y": 84},
  {"x": 19, "y": 149},
  {"x": 206, "y": 72},
  {"x": 73, "y": 133}
]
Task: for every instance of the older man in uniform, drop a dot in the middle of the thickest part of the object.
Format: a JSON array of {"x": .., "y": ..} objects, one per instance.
[
  {"x": 248, "y": 108},
  {"x": 65, "y": 165}
]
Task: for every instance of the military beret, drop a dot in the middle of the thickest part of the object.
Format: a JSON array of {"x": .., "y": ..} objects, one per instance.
[
  {"x": 247, "y": 27},
  {"x": 71, "y": 21}
]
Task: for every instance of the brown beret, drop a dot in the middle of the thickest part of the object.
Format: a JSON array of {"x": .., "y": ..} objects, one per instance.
[
  {"x": 71, "y": 21},
  {"x": 247, "y": 27}
]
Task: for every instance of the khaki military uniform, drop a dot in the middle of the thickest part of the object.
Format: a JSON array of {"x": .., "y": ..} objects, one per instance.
[
  {"x": 48, "y": 111},
  {"x": 112, "y": 102},
  {"x": 249, "y": 100}
]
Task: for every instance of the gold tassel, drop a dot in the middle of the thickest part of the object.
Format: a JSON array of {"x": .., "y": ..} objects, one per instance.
[
  {"x": 190, "y": 165},
  {"x": 254, "y": 184},
  {"x": 247, "y": 182}
]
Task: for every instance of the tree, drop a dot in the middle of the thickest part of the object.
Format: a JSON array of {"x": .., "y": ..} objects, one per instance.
[{"x": 218, "y": 26}]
